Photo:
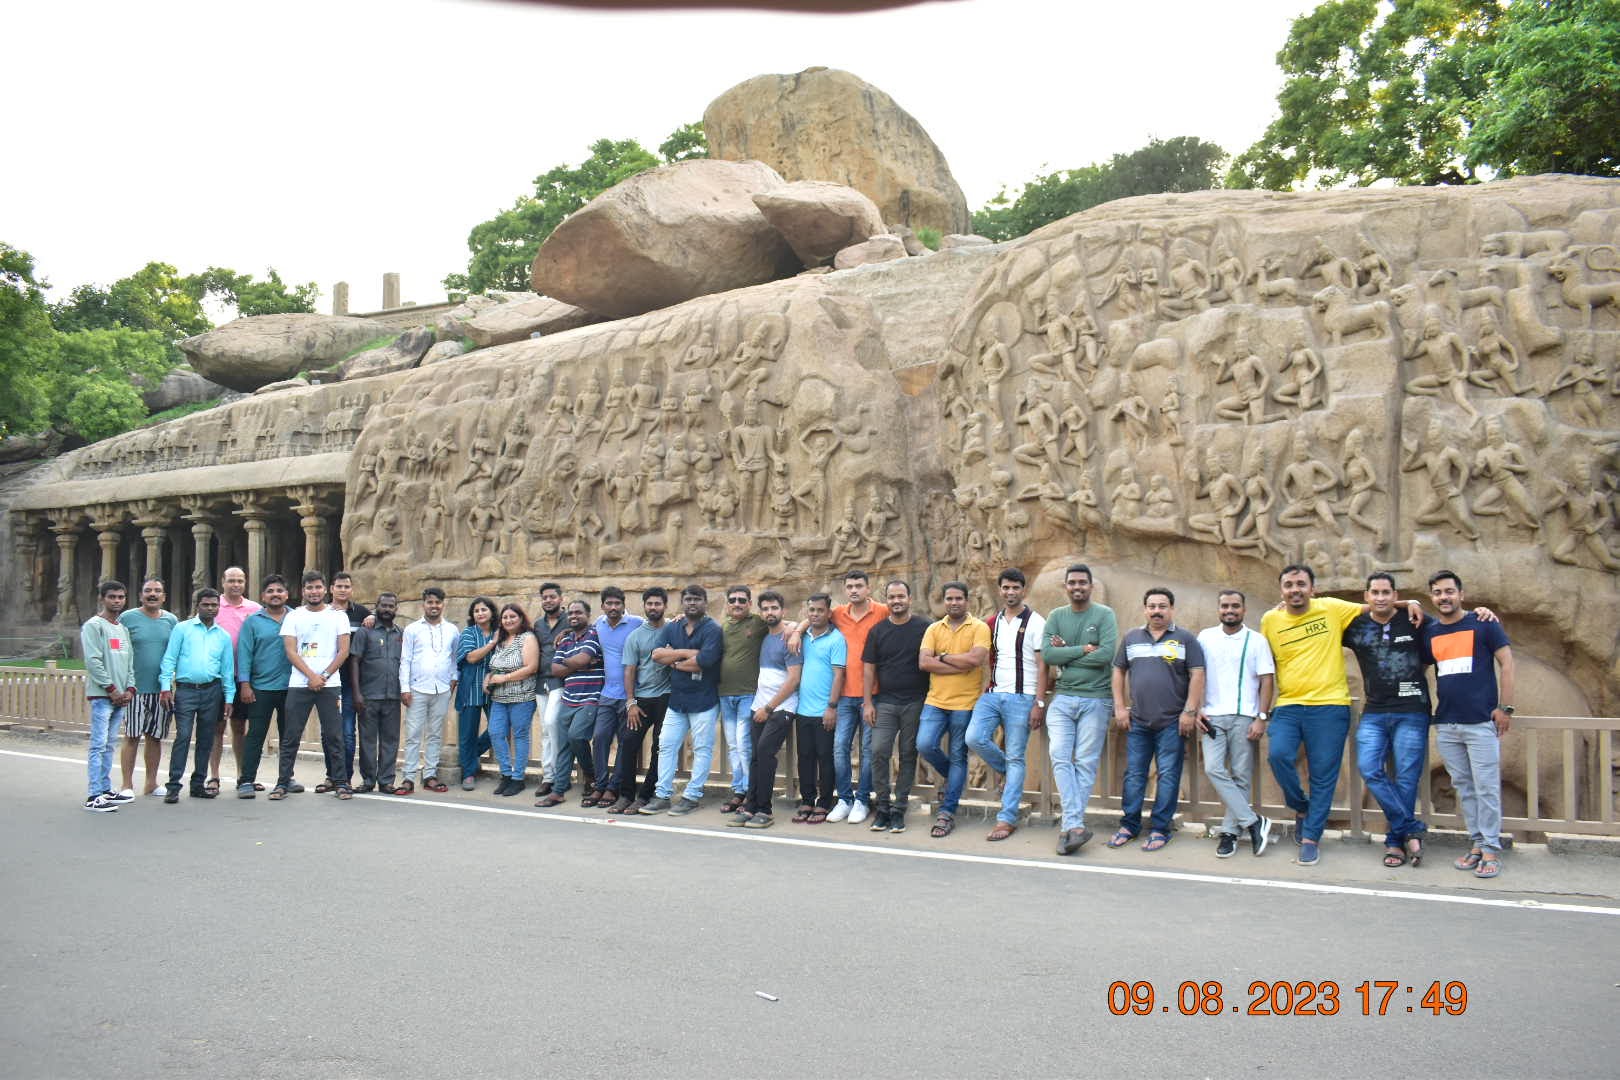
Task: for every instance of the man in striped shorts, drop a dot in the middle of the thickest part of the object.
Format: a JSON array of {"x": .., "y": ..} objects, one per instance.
[{"x": 146, "y": 717}]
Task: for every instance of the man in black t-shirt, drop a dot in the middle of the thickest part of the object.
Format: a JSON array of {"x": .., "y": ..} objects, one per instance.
[
  {"x": 894, "y": 691},
  {"x": 342, "y": 599},
  {"x": 1394, "y": 715}
]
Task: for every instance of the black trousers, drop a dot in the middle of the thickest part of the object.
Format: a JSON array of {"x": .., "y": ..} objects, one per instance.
[
  {"x": 896, "y": 721},
  {"x": 300, "y": 699},
  {"x": 265, "y": 702},
  {"x": 652, "y": 724},
  {"x": 196, "y": 709},
  {"x": 815, "y": 762},
  {"x": 377, "y": 729},
  {"x": 768, "y": 740}
]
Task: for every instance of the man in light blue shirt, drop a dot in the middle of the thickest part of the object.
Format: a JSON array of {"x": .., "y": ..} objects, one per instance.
[
  {"x": 613, "y": 630},
  {"x": 821, "y": 684},
  {"x": 197, "y": 678}
]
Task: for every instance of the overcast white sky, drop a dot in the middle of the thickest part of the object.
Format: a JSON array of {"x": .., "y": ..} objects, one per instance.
[{"x": 337, "y": 140}]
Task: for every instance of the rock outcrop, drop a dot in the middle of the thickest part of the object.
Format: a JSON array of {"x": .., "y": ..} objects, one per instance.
[
  {"x": 663, "y": 236},
  {"x": 523, "y": 315},
  {"x": 401, "y": 354},
  {"x": 819, "y": 219},
  {"x": 824, "y": 124},
  {"x": 182, "y": 386},
  {"x": 878, "y": 249},
  {"x": 248, "y": 353}
]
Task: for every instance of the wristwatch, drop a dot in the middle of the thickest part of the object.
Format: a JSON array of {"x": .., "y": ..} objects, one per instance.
[
  {"x": 1507, "y": 709},
  {"x": 1039, "y": 704}
]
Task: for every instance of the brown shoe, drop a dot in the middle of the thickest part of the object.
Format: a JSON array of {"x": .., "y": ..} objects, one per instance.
[{"x": 1001, "y": 831}]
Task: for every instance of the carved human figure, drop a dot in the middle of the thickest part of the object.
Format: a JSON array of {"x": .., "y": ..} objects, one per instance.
[
  {"x": 705, "y": 454},
  {"x": 1334, "y": 268},
  {"x": 1498, "y": 361},
  {"x": 784, "y": 510},
  {"x": 1587, "y": 514},
  {"x": 1360, "y": 481},
  {"x": 416, "y": 455},
  {"x": 1088, "y": 344},
  {"x": 1227, "y": 283},
  {"x": 1035, "y": 412},
  {"x": 669, "y": 412},
  {"x": 1227, "y": 502},
  {"x": 1372, "y": 271},
  {"x": 365, "y": 484},
  {"x": 391, "y": 455},
  {"x": 586, "y": 509},
  {"x": 1447, "y": 472},
  {"x": 1351, "y": 564},
  {"x": 1058, "y": 359},
  {"x": 818, "y": 445},
  {"x": 442, "y": 452},
  {"x": 1255, "y": 532},
  {"x": 1582, "y": 376},
  {"x": 846, "y": 543},
  {"x": 1160, "y": 501},
  {"x": 1074, "y": 444},
  {"x": 699, "y": 392},
  {"x": 480, "y": 452},
  {"x": 559, "y": 406},
  {"x": 1131, "y": 410},
  {"x": 973, "y": 439},
  {"x": 642, "y": 403},
  {"x": 1170, "y": 409},
  {"x": 1316, "y": 557},
  {"x": 1305, "y": 487},
  {"x": 725, "y": 505},
  {"x": 701, "y": 353},
  {"x": 514, "y": 450},
  {"x": 1053, "y": 500},
  {"x": 1188, "y": 288},
  {"x": 433, "y": 525},
  {"x": 624, "y": 490},
  {"x": 1501, "y": 463},
  {"x": 1251, "y": 379},
  {"x": 1448, "y": 360},
  {"x": 1126, "y": 498},
  {"x": 750, "y": 458},
  {"x": 1084, "y": 497},
  {"x": 880, "y": 543},
  {"x": 994, "y": 360},
  {"x": 1301, "y": 377}
]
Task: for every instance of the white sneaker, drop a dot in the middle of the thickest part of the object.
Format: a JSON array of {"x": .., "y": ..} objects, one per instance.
[
  {"x": 859, "y": 813},
  {"x": 840, "y": 811},
  {"x": 126, "y": 795}
]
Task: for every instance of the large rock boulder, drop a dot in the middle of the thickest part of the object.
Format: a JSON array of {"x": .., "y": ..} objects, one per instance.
[
  {"x": 182, "y": 386},
  {"x": 401, "y": 354},
  {"x": 819, "y": 219},
  {"x": 248, "y": 353},
  {"x": 823, "y": 124},
  {"x": 522, "y": 316},
  {"x": 671, "y": 234},
  {"x": 883, "y": 248}
]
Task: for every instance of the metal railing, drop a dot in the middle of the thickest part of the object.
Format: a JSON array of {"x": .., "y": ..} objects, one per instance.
[{"x": 1581, "y": 768}]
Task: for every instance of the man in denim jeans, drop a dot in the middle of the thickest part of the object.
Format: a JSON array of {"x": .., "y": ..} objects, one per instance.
[
  {"x": 1080, "y": 641},
  {"x": 691, "y": 648},
  {"x": 1015, "y": 698},
  {"x": 1164, "y": 666},
  {"x": 744, "y": 633},
  {"x": 109, "y": 685},
  {"x": 854, "y": 621},
  {"x": 953, "y": 653}
]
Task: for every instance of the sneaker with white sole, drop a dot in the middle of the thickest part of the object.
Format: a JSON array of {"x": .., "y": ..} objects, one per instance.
[
  {"x": 100, "y": 805},
  {"x": 1260, "y": 835},
  {"x": 118, "y": 798},
  {"x": 858, "y": 813},
  {"x": 1227, "y": 846},
  {"x": 127, "y": 795},
  {"x": 840, "y": 811}
]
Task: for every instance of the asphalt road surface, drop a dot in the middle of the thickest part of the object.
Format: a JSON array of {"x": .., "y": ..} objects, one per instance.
[{"x": 462, "y": 936}]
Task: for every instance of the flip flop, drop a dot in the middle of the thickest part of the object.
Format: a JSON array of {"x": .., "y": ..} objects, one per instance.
[
  {"x": 277, "y": 794},
  {"x": 1156, "y": 841},
  {"x": 1121, "y": 838},
  {"x": 1490, "y": 866},
  {"x": 802, "y": 814},
  {"x": 344, "y": 792},
  {"x": 1469, "y": 861},
  {"x": 1414, "y": 850}
]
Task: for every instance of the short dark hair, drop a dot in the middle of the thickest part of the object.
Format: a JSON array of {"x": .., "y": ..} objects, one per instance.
[
  {"x": 586, "y": 604},
  {"x": 433, "y": 591},
  {"x": 1159, "y": 590},
  {"x": 819, "y": 598},
  {"x": 856, "y": 575},
  {"x": 149, "y": 578},
  {"x": 1012, "y": 573},
  {"x": 612, "y": 592},
  {"x": 1233, "y": 592},
  {"x": 204, "y": 593},
  {"x": 892, "y": 582},
  {"x": 272, "y": 579},
  {"x": 1078, "y": 568},
  {"x": 959, "y": 586},
  {"x": 1441, "y": 575},
  {"x": 655, "y": 590},
  {"x": 771, "y": 596},
  {"x": 110, "y": 585},
  {"x": 696, "y": 590},
  {"x": 487, "y": 602},
  {"x": 748, "y": 594},
  {"x": 342, "y": 575},
  {"x": 311, "y": 577},
  {"x": 1298, "y": 568},
  {"x": 1385, "y": 574},
  {"x": 545, "y": 587},
  {"x": 387, "y": 596}
]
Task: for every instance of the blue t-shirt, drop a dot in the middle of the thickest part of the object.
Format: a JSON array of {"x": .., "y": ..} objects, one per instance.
[
  {"x": 1463, "y": 655},
  {"x": 613, "y": 639},
  {"x": 699, "y": 691},
  {"x": 821, "y": 655}
]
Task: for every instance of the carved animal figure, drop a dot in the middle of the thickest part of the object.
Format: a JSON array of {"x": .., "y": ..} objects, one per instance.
[
  {"x": 1267, "y": 286},
  {"x": 1160, "y": 352},
  {"x": 1340, "y": 316},
  {"x": 1517, "y": 245},
  {"x": 652, "y": 549},
  {"x": 1578, "y": 294}
]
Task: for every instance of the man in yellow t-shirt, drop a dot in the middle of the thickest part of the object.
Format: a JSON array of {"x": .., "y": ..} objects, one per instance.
[
  {"x": 953, "y": 653},
  {"x": 1313, "y": 700}
]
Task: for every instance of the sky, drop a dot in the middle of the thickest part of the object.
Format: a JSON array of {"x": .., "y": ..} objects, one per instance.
[{"x": 338, "y": 140}]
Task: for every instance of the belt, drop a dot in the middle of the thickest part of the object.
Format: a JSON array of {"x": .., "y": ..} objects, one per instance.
[{"x": 198, "y": 685}]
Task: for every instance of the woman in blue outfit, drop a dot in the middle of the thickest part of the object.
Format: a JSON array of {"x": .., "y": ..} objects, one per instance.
[
  {"x": 472, "y": 702},
  {"x": 511, "y": 685}
]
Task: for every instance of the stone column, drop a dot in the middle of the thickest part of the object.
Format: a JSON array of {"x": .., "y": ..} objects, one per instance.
[
  {"x": 202, "y": 536},
  {"x": 340, "y": 298},
  {"x": 27, "y": 546},
  {"x": 107, "y": 522},
  {"x": 255, "y": 519},
  {"x": 153, "y": 523},
  {"x": 390, "y": 291},
  {"x": 66, "y": 527},
  {"x": 317, "y": 536}
]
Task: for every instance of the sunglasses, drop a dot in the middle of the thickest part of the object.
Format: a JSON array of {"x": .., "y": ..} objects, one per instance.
[{"x": 736, "y": 600}]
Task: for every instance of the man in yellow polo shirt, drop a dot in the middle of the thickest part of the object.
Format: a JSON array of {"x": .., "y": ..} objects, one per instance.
[
  {"x": 1313, "y": 700},
  {"x": 953, "y": 653}
]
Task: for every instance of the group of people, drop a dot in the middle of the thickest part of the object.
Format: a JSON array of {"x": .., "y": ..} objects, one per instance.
[{"x": 603, "y": 684}]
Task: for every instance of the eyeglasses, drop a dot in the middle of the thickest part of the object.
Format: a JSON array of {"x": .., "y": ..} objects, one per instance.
[{"x": 737, "y": 600}]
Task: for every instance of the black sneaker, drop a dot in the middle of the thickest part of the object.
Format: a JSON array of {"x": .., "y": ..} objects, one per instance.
[
  {"x": 504, "y": 787},
  {"x": 897, "y": 821},
  {"x": 1260, "y": 834},
  {"x": 880, "y": 822},
  {"x": 100, "y": 805},
  {"x": 1227, "y": 846},
  {"x": 117, "y": 798},
  {"x": 655, "y": 805}
]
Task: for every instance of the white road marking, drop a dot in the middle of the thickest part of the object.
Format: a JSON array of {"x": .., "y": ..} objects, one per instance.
[{"x": 1317, "y": 888}]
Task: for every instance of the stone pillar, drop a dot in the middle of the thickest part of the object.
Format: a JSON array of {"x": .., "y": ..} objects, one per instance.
[
  {"x": 317, "y": 535},
  {"x": 66, "y": 527},
  {"x": 27, "y": 546},
  {"x": 107, "y": 522},
  {"x": 340, "y": 298},
  {"x": 255, "y": 519},
  {"x": 154, "y": 523},
  {"x": 390, "y": 291},
  {"x": 202, "y": 536}
]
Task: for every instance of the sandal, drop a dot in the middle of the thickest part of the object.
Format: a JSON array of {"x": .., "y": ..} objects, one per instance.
[
  {"x": 733, "y": 804},
  {"x": 589, "y": 799},
  {"x": 1001, "y": 831},
  {"x": 277, "y": 793},
  {"x": 325, "y": 787},
  {"x": 1393, "y": 857},
  {"x": 1469, "y": 861},
  {"x": 434, "y": 784},
  {"x": 1414, "y": 850},
  {"x": 1489, "y": 866},
  {"x": 212, "y": 786},
  {"x": 1121, "y": 838},
  {"x": 257, "y": 786},
  {"x": 802, "y": 814},
  {"x": 406, "y": 788},
  {"x": 344, "y": 792},
  {"x": 943, "y": 824},
  {"x": 818, "y": 816},
  {"x": 1156, "y": 841}
]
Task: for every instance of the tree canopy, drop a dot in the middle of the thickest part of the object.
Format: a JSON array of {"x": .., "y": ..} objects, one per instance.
[
  {"x": 503, "y": 248},
  {"x": 1183, "y": 163},
  {"x": 1442, "y": 92}
]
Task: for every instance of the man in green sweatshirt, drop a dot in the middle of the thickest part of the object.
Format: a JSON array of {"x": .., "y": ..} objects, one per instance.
[
  {"x": 109, "y": 684},
  {"x": 1080, "y": 641}
]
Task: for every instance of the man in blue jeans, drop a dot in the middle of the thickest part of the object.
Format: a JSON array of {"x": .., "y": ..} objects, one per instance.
[
  {"x": 745, "y": 634},
  {"x": 1394, "y": 715},
  {"x": 691, "y": 648},
  {"x": 1164, "y": 666},
  {"x": 953, "y": 653},
  {"x": 1015, "y": 698},
  {"x": 854, "y": 621},
  {"x": 109, "y": 684},
  {"x": 1080, "y": 640}
]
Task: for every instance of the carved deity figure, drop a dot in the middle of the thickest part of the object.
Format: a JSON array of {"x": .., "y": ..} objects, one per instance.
[
  {"x": 1334, "y": 268},
  {"x": 818, "y": 445},
  {"x": 1188, "y": 289},
  {"x": 1498, "y": 365},
  {"x": 1255, "y": 532},
  {"x": 1448, "y": 360},
  {"x": 643, "y": 402},
  {"x": 1035, "y": 411},
  {"x": 1160, "y": 501},
  {"x": 1084, "y": 497},
  {"x": 1372, "y": 271},
  {"x": 1054, "y": 502},
  {"x": 1582, "y": 376},
  {"x": 701, "y": 353},
  {"x": 513, "y": 453},
  {"x": 881, "y": 549},
  {"x": 1587, "y": 514},
  {"x": 1301, "y": 377},
  {"x": 624, "y": 489},
  {"x": 1074, "y": 445},
  {"x": 751, "y": 457},
  {"x": 1225, "y": 493},
  {"x": 441, "y": 452},
  {"x": 974, "y": 448},
  {"x": 1305, "y": 486},
  {"x": 1170, "y": 409},
  {"x": 699, "y": 392},
  {"x": 479, "y": 454},
  {"x": 1447, "y": 472},
  {"x": 1501, "y": 463},
  {"x": 1132, "y": 411},
  {"x": 1251, "y": 379},
  {"x": 994, "y": 360},
  {"x": 1360, "y": 480},
  {"x": 1126, "y": 498},
  {"x": 846, "y": 543},
  {"x": 784, "y": 510}
]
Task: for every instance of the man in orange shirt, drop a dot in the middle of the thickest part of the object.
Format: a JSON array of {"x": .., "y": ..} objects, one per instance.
[{"x": 854, "y": 620}]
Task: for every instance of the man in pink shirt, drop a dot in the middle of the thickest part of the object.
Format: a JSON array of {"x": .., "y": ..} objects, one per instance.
[{"x": 234, "y": 609}]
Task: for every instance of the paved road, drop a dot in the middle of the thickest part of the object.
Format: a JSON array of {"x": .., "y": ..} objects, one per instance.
[{"x": 448, "y": 936}]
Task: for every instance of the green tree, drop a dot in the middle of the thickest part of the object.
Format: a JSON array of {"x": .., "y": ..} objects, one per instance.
[
  {"x": 155, "y": 297},
  {"x": 93, "y": 393},
  {"x": 27, "y": 345},
  {"x": 272, "y": 296},
  {"x": 1184, "y": 163},
  {"x": 503, "y": 248}
]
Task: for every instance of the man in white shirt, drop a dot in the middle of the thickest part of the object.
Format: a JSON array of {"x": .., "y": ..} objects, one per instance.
[
  {"x": 1239, "y": 680},
  {"x": 427, "y": 683},
  {"x": 316, "y": 639},
  {"x": 1015, "y": 699}
]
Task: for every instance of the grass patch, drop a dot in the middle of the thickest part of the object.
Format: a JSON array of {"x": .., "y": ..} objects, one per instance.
[
  {"x": 930, "y": 238},
  {"x": 178, "y": 411},
  {"x": 386, "y": 339}
]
